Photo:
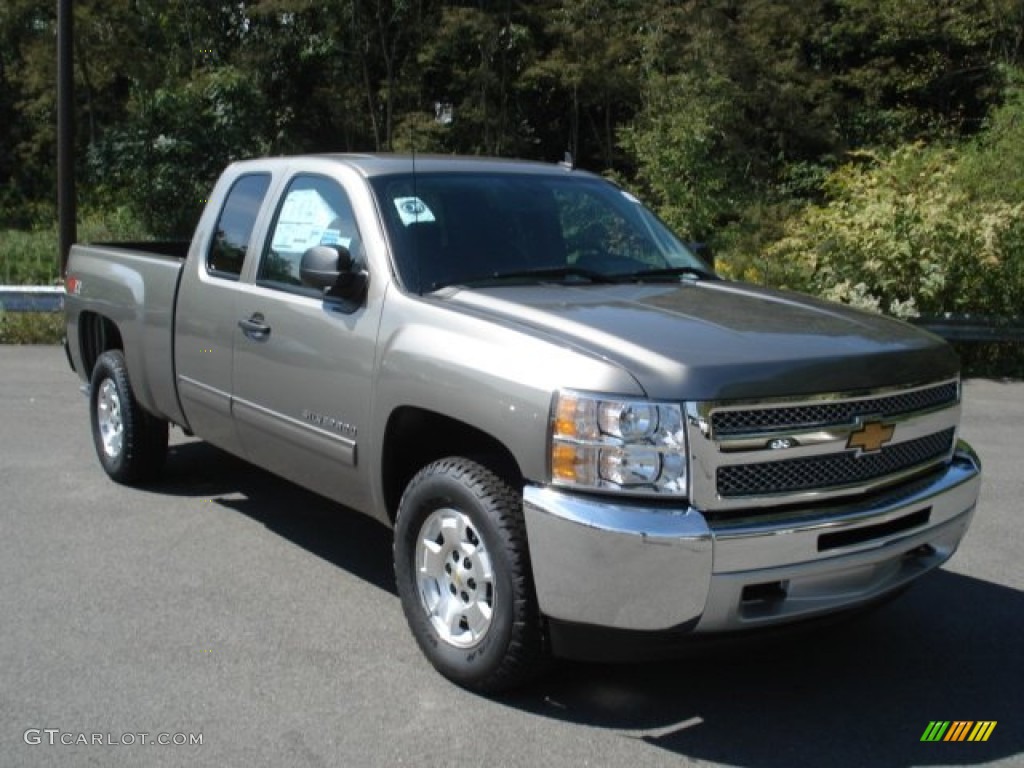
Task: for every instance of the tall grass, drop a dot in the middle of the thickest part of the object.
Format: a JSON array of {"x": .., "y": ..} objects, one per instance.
[
  {"x": 31, "y": 327},
  {"x": 32, "y": 258},
  {"x": 28, "y": 258}
]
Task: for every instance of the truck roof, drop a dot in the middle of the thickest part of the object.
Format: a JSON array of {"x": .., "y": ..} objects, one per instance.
[{"x": 382, "y": 164}]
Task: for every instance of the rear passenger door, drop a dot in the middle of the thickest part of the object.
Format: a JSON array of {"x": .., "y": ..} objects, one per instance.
[
  {"x": 205, "y": 317},
  {"x": 302, "y": 365}
]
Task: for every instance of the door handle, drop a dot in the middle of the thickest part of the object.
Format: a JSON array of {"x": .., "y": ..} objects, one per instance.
[{"x": 255, "y": 328}]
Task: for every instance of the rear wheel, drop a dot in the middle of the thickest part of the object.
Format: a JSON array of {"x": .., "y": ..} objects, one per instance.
[
  {"x": 131, "y": 443},
  {"x": 463, "y": 574}
]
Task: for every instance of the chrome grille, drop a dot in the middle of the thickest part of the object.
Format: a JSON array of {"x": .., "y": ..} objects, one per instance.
[
  {"x": 831, "y": 471},
  {"x": 755, "y": 455},
  {"x": 732, "y": 422}
]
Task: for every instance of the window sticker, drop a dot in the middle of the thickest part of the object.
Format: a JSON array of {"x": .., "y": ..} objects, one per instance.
[
  {"x": 305, "y": 217},
  {"x": 412, "y": 209},
  {"x": 333, "y": 237}
]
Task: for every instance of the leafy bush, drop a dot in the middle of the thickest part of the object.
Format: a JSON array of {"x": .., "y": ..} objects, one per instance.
[
  {"x": 118, "y": 223},
  {"x": 28, "y": 258},
  {"x": 163, "y": 160},
  {"x": 900, "y": 235},
  {"x": 31, "y": 258},
  {"x": 990, "y": 166},
  {"x": 992, "y": 360},
  {"x": 740, "y": 247},
  {"x": 679, "y": 142},
  {"x": 31, "y": 327}
]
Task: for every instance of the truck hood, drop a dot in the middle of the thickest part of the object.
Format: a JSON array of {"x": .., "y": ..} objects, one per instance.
[{"x": 716, "y": 340}]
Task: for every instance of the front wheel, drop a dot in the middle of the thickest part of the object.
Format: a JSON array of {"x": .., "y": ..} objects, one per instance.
[
  {"x": 463, "y": 574},
  {"x": 131, "y": 443}
]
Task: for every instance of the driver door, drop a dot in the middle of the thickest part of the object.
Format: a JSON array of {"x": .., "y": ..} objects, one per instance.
[{"x": 302, "y": 366}]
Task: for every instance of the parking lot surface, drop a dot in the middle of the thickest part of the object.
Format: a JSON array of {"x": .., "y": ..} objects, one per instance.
[{"x": 227, "y": 604}]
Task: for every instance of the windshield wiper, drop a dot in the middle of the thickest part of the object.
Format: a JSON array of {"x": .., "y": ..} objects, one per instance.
[
  {"x": 644, "y": 274},
  {"x": 552, "y": 273}
]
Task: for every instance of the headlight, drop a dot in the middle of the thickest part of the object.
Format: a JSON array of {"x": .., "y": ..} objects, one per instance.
[{"x": 605, "y": 443}]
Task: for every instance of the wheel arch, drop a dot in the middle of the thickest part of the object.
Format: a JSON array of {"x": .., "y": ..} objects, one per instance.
[
  {"x": 414, "y": 437},
  {"x": 96, "y": 334}
]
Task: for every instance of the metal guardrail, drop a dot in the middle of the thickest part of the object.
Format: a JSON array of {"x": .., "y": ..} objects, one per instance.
[
  {"x": 32, "y": 298},
  {"x": 974, "y": 328}
]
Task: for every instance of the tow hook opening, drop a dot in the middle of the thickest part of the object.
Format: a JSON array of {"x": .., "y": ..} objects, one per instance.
[
  {"x": 768, "y": 592},
  {"x": 922, "y": 552}
]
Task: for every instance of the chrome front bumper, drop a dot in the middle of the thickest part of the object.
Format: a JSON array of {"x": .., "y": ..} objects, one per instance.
[{"x": 632, "y": 566}]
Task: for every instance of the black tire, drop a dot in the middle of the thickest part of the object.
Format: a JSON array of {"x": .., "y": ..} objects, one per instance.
[
  {"x": 131, "y": 443},
  {"x": 510, "y": 649}
]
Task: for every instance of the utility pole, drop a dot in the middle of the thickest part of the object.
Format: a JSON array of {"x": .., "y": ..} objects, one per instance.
[{"x": 66, "y": 213}]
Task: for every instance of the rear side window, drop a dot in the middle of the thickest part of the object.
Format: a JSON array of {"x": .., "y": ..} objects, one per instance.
[{"x": 234, "y": 227}]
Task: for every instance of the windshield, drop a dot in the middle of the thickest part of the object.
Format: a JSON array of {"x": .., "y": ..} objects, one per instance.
[{"x": 462, "y": 228}]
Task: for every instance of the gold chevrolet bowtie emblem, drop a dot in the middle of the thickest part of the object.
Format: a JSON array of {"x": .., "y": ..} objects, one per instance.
[{"x": 871, "y": 437}]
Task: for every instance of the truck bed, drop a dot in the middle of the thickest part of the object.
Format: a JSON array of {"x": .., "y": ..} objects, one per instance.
[
  {"x": 132, "y": 286},
  {"x": 178, "y": 249}
]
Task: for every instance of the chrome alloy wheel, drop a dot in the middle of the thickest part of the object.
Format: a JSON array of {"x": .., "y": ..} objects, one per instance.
[
  {"x": 455, "y": 577},
  {"x": 108, "y": 417}
]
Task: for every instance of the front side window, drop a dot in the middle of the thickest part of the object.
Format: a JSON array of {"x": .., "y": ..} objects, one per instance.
[
  {"x": 468, "y": 228},
  {"x": 314, "y": 211},
  {"x": 235, "y": 224}
]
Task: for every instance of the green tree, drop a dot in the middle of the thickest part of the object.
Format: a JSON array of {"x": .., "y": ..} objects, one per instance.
[
  {"x": 730, "y": 114},
  {"x": 681, "y": 144},
  {"x": 471, "y": 63},
  {"x": 587, "y": 81},
  {"x": 27, "y": 130},
  {"x": 911, "y": 69},
  {"x": 165, "y": 157},
  {"x": 990, "y": 166}
]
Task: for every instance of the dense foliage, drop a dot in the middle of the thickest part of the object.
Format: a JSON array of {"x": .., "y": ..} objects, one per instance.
[
  {"x": 31, "y": 327},
  {"x": 903, "y": 238},
  {"x": 28, "y": 257},
  {"x": 921, "y": 230},
  {"x": 869, "y": 150}
]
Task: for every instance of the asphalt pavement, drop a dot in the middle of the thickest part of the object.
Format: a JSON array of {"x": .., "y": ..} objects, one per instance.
[{"x": 228, "y": 607}]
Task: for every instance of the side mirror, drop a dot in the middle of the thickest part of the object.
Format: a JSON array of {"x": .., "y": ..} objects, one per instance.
[
  {"x": 321, "y": 265},
  {"x": 331, "y": 269}
]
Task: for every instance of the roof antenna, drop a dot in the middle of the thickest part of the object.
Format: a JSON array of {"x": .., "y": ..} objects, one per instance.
[{"x": 568, "y": 162}]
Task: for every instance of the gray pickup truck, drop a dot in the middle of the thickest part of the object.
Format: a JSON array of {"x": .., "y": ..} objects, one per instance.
[{"x": 578, "y": 432}]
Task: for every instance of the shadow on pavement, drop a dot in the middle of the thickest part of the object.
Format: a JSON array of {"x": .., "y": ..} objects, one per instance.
[
  {"x": 345, "y": 538},
  {"x": 854, "y": 693}
]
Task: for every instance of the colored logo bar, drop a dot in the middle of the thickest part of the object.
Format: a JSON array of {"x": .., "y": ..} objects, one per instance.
[{"x": 959, "y": 730}]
